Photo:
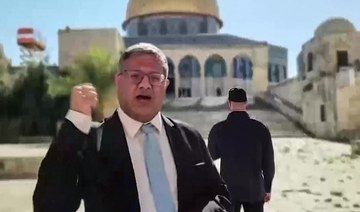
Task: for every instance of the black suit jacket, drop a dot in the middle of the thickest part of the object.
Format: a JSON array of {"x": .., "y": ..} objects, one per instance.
[
  {"x": 73, "y": 169},
  {"x": 247, "y": 156}
]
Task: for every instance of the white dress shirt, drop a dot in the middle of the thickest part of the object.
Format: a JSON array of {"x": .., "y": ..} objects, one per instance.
[{"x": 135, "y": 139}]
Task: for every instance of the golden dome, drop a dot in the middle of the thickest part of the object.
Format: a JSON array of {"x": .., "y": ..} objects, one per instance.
[{"x": 138, "y": 8}]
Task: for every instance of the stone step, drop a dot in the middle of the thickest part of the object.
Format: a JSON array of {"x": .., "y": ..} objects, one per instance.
[
  {"x": 281, "y": 134},
  {"x": 21, "y": 160},
  {"x": 203, "y": 121}
]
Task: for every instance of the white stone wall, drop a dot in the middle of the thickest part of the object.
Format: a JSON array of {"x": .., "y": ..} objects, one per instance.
[
  {"x": 348, "y": 106},
  {"x": 213, "y": 83},
  {"x": 75, "y": 42},
  {"x": 325, "y": 89},
  {"x": 195, "y": 88},
  {"x": 289, "y": 90},
  {"x": 311, "y": 107},
  {"x": 247, "y": 85}
]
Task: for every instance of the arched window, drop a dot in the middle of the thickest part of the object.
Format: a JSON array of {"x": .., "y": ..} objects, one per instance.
[
  {"x": 269, "y": 72},
  {"x": 142, "y": 28},
  {"x": 163, "y": 27},
  {"x": 189, "y": 67},
  {"x": 277, "y": 73},
  {"x": 242, "y": 68},
  {"x": 171, "y": 68},
  {"x": 310, "y": 60},
  {"x": 170, "y": 91},
  {"x": 215, "y": 67},
  {"x": 183, "y": 28},
  {"x": 204, "y": 26},
  {"x": 189, "y": 72},
  {"x": 285, "y": 72}
]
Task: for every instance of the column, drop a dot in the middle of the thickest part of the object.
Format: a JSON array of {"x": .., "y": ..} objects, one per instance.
[
  {"x": 202, "y": 76},
  {"x": 260, "y": 79},
  {"x": 177, "y": 75},
  {"x": 229, "y": 73}
]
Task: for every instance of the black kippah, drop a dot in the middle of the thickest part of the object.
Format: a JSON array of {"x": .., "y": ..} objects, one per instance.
[{"x": 237, "y": 95}]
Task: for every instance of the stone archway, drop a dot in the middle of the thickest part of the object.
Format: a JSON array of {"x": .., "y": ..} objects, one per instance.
[
  {"x": 189, "y": 72},
  {"x": 170, "y": 92},
  {"x": 274, "y": 73},
  {"x": 243, "y": 72},
  {"x": 215, "y": 76}
]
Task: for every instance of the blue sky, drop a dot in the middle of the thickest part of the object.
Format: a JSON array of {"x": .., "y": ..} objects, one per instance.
[{"x": 287, "y": 23}]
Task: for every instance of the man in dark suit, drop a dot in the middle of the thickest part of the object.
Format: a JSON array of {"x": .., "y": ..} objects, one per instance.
[
  {"x": 136, "y": 160},
  {"x": 247, "y": 156}
]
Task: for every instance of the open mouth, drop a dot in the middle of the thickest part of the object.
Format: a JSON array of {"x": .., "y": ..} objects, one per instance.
[{"x": 143, "y": 97}]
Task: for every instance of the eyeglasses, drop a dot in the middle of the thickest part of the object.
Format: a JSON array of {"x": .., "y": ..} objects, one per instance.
[{"x": 136, "y": 77}]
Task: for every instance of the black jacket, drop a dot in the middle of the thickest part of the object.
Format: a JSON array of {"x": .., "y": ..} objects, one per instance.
[
  {"x": 247, "y": 156},
  {"x": 73, "y": 169}
]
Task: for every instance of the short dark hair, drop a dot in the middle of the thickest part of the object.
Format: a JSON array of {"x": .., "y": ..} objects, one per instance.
[{"x": 144, "y": 48}]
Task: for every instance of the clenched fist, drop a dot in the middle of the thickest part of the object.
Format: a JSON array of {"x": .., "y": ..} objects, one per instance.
[{"x": 84, "y": 98}]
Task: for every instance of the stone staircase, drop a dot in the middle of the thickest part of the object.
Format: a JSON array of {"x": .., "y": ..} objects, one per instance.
[
  {"x": 279, "y": 125},
  {"x": 203, "y": 113},
  {"x": 209, "y": 103}
]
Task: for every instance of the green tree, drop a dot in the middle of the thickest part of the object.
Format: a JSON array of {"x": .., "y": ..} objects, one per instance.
[
  {"x": 6, "y": 80},
  {"x": 7, "y": 128},
  {"x": 7, "y": 83},
  {"x": 5, "y": 89},
  {"x": 96, "y": 67},
  {"x": 31, "y": 102},
  {"x": 25, "y": 105}
]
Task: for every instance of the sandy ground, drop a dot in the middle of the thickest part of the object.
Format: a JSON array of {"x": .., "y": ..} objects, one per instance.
[
  {"x": 311, "y": 175},
  {"x": 315, "y": 175}
]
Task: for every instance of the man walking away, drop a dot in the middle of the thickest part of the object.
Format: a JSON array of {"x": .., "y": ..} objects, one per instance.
[{"x": 247, "y": 156}]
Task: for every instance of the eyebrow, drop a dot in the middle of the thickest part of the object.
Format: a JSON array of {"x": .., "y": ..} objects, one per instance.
[{"x": 151, "y": 72}]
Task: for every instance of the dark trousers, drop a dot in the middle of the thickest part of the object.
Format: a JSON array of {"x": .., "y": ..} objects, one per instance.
[{"x": 249, "y": 207}]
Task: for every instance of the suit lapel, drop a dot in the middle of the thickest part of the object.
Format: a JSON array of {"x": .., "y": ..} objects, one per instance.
[
  {"x": 114, "y": 140},
  {"x": 181, "y": 153},
  {"x": 116, "y": 170}
]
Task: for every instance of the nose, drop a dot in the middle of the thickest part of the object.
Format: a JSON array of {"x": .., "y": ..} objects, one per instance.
[{"x": 145, "y": 83}]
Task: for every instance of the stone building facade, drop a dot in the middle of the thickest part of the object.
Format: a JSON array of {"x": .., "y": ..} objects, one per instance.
[
  {"x": 203, "y": 61},
  {"x": 76, "y": 42},
  {"x": 326, "y": 91}
]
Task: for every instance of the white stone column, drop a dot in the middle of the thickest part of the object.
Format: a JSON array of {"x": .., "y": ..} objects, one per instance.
[
  {"x": 260, "y": 80},
  {"x": 202, "y": 76},
  {"x": 229, "y": 73},
  {"x": 176, "y": 61}
]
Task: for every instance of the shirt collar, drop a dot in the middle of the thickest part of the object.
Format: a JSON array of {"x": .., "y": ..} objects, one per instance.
[{"x": 132, "y": 126}]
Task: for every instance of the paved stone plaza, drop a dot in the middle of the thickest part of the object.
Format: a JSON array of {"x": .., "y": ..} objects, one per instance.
[{"x": 311, "y": 175}]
